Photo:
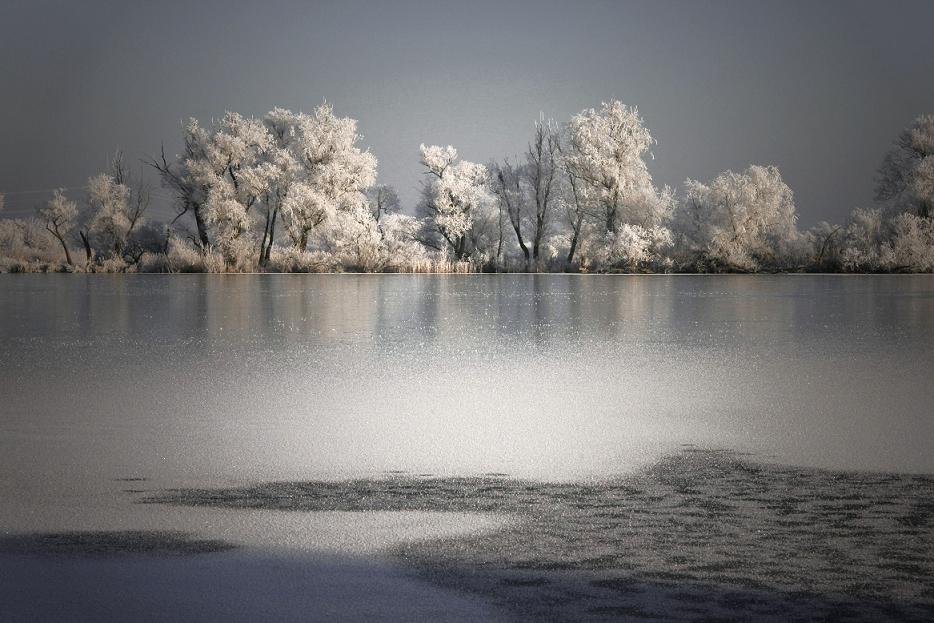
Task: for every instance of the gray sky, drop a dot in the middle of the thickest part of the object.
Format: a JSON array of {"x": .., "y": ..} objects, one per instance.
[{"x": 819, "y": 89}]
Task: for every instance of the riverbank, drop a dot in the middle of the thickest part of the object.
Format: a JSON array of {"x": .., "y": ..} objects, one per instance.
[{"x": 164, "y": 266}]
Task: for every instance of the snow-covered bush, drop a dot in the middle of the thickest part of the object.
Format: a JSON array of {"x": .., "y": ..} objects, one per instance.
[
  {"x": 26, "y": 246},
  {"x": 291, "y": 260},
  {"x": 636, "y": 248},
  {"x": 912, "y": 243},
  {"x": 739, "y": 221},
  {"x": 400, "y": 247},
  {"x": 863, "y": 247}
]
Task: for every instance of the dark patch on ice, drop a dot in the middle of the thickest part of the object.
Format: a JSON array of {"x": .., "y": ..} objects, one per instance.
[
  {"x": 701, "y": 535},
  {"x": 104, "y": 543},
  {"x": 534, "y": 581}
]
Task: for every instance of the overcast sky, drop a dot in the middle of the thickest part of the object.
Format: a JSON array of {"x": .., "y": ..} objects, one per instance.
[{"x": 819, "y": 89}]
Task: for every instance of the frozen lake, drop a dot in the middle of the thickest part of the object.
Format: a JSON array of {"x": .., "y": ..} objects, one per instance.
[
  {"x": 119, "y": 386},
  {"x": 253, "y": 377}
]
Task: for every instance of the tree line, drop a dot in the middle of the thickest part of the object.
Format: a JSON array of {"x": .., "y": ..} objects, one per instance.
[{"x": 296, "y": 192}]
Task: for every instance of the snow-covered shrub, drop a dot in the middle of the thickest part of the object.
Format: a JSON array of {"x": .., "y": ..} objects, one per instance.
[
  {"x": 292, "y": 260},
  {"x": 634, "y": 247},
  {"x": 113, "y": 264},
  {"x": 912, "y": 244},
  {"x": 863, "y": 241},
  {"x": 400, "y": 248},
  {"x": 740, "y": 221},
  {"x": 182, "y": 257},
  {"x": 26, "y": 246}
]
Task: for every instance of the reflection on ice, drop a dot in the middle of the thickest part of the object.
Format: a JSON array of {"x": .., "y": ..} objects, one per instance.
[{"x": 213, "y": 377}]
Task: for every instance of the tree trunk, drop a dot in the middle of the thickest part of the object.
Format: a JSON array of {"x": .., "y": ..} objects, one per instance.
[
  {"x": 537, "y": 243},
  {"x": 577, "y": 231},
  {"x": 67, "y": 252},
  {"x": 87, "y": 246},
  {"x": 55, "y": 232},
  {"x": 611, "y": 220},
  {"x": 272, "y": 234},
  {"x": 522, "y": 245},
  {"x": 262, "y": 244},
  {"x": 823, "y": 248},
  {"x": 202, "y": 228},
  {"x": 499, "y": 245}
]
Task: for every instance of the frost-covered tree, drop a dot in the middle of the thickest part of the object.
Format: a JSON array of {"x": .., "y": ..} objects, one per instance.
[
  {"x": 109, "y": 202},
  {"x": 333, "y": 173},
  {"x": 221, "y": 178},
  {"x": 576, "y": 203},
  {"x": 454, "y": 194},
  {"x": 912, "y": 243},
  {"x": 351, "y": 238},
  {"x": 543, "y": 170},
  {"x": 244, "y": 174},
  {"x": 634, "y": 248},
  {"x": 227, "y": 165},
  {"x": 60, "y": 215},
  {"x": 825, "y": 239},
  {"x": 177, "y": 177},
  {"x": 401, "y": 246},
  {"x": 906, "y": 177},
  {"x": 608, "y": 185},
  {"x": 605, "y": 153},
  {"x": 898, "y": 236},
  {"x": 485, "y": 236},
  {"x": 527, "y": 193},
  {"x": 313, "y": 171},
  {"x": 23, "y": 242},
  {"x": 874, "y": 241},
  {"x": 739, "y": 221},
  {"x": 864, "y": 241},
  {"x": 116, "y": 209},
  {"x": 383, "y": 200},
  {"x": 506, "y": 179}
]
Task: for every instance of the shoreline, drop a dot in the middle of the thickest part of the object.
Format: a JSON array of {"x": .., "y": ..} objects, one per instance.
[{"x": 484, "y": 274}]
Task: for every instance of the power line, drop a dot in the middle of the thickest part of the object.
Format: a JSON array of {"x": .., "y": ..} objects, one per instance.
[
  {"x": 7, "y": 193},
  {"x": 82, "y": 188}
]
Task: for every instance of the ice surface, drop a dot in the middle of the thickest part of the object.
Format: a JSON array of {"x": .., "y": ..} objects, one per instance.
[
  {"x": 115, "y": 388},
  {"x": 242, "y": 377}
]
